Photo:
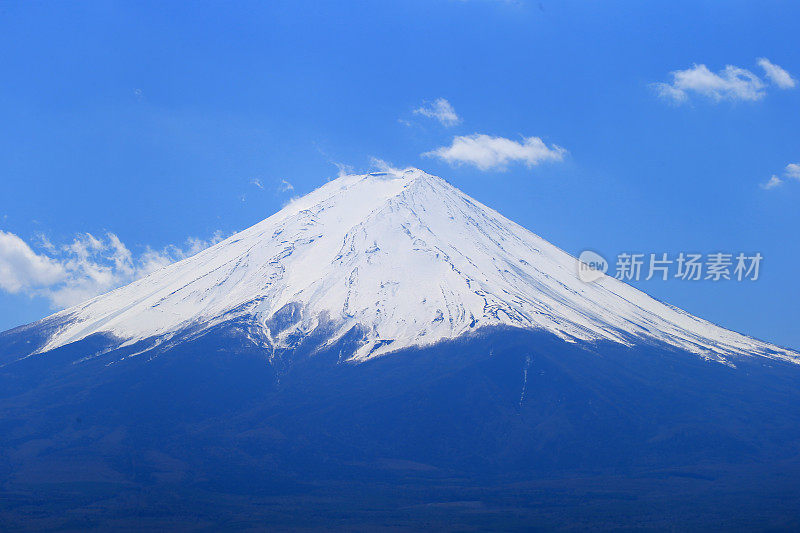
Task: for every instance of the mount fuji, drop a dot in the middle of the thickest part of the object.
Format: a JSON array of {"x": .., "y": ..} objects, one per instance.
[
  {"x": 399, "y": 259},
  {"x": 387, "y": 352}
]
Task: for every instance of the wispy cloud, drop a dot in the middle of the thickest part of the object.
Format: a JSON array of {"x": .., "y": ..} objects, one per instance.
[
  {"x": 441, "y": 110},
  {"x": 731, "y": 83},
  {"x": 384, "y": 166},
  {"x": 343, "y": 169},
  {"x": 282, "y": 186},
  {"x": 86, "y": 267},
  {"x": 487, "y": 152},
  {"x": 772, "y": 182},
  {"x": 791, "y": 172},
  {"x": 776, "y": 74}
]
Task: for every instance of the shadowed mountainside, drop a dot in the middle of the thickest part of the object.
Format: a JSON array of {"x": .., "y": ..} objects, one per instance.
[{"x": 504, "y": 428}]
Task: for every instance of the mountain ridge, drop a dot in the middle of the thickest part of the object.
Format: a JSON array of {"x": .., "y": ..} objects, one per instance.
[{"x": 407, "y": 259}]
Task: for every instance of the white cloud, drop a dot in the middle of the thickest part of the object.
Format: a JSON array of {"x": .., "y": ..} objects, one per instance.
[
  {"x": 440, "y": 110},
  {"x": 776, "y": 74},
  {"x": 285, "y": 186},
  {"x": 731, "y": 83},
  {"x": 45, "y": 243},
  {"x": 84, "y": 268},
  {"x": 668, "y": 92},
  {"x": 773, "y": 182},
  {"x": 383, "y": 166},
  {"x": 257, "y": 183},
  {"x": 22, "y": 269},
  {"x": 793, "y": 171},
  {"x": 343, "y": 169},
  {"x": 487, "y": 152}
]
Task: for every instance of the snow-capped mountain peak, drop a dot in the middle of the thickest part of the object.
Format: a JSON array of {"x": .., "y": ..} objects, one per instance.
[{"x": 407, "y": 260}]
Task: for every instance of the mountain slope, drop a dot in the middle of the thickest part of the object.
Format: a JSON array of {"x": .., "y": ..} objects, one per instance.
[
  {"x": 405, "y": 259},
  {"x": 508, "y": 427}
]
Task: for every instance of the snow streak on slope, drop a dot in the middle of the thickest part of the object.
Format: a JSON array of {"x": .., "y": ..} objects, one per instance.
[{"x": 406, "y": 258}]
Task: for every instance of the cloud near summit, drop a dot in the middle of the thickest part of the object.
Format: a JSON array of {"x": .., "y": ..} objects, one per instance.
[
  {"x": 487, "y": 152},
  {"x": 88, "y": 266}
]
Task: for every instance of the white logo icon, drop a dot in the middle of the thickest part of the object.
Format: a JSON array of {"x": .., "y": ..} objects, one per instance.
[{"x": 591, "y": 266}]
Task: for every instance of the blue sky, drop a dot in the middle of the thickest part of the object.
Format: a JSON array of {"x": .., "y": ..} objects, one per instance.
[{"x": 161, "y": 122}]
